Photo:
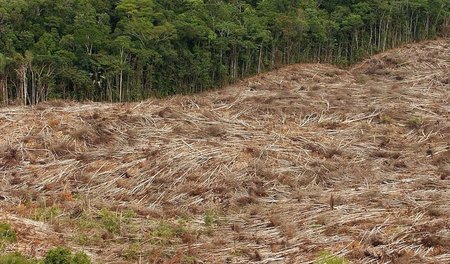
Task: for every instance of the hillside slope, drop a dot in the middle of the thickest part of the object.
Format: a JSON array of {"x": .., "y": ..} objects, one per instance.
[{"x": 274, "y": 169}]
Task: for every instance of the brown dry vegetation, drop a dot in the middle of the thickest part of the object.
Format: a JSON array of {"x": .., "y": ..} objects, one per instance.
[{"x": 271, "y": 170}]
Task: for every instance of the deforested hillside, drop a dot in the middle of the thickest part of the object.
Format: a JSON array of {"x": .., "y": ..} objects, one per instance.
[
  {"x": 131, "y": 50},
  {"x": 298, "y": 165}
]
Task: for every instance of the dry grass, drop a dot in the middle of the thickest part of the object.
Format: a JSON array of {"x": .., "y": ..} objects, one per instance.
[{"x": 274, "y": 169}]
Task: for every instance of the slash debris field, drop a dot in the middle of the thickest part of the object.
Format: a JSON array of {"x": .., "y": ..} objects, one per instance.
[{"x": 286, "y": 167}]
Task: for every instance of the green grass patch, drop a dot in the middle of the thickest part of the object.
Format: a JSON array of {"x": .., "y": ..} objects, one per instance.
[
  {"x": 64, "y": 256},
  {"x": 7, "y": 235},
  {"x": 54, "y": 256},
  {"x": 111, "y": 221},
  {"x": 210, "y": 219},
  {"x": 166, "y": 233},
  {"x": 46, "y": 214},
  {"x": 326, "y": 257},
  {"x": 133, "y": 252},
  {"x": 414, "y": 122},
  {"x": 16, "y": 258}
]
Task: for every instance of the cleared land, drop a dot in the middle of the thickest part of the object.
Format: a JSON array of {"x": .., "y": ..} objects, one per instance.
[{"x": 274, "y": 169}]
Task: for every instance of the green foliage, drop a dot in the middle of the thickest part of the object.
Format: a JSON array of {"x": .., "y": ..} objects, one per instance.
[
  {"x": 133, "y": 252},
  {"x": 210, "y": 219},
  {"x": 2, "y": 63},
  {"x": 168, "y": 230},
  {"x": 414, "y": 122},
  {"x": 87, "y": 239},
  {"x": 110, "y": 220},
  {"x": 54, "y": 256},
  {"x": 132, "y": 49},
  {"x": 326, "y": 257},
  {"x": 15, "y": 258},
  {"x": 165, "y": 232},
  {"x": 190, "y": 260},
  {"x": 58, "y": 256},
  {"x": 7, "y": 234},
  {"x": 80, "y": 258},
  {"x": 128, "y": 214},
  {"x": 45, "y": 214},
  {"x": 95, "y": 227},
  {"x": 64, "y": 256}
]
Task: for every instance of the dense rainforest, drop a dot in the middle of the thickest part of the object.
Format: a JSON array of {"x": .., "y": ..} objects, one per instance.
[{"x": 125, "y": 50}]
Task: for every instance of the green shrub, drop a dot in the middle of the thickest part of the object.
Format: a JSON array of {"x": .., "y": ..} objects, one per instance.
[
  {"x": 54, "y": 256},
  {"x": 15, "y": 258},
  {"x": 414, "y": 122},
  {"x": 47, "y": 213},
  {"x": 111, "y": 221},
  {"x": 209, "y": 219},
  {"x": 7, "y": 234},
  {"x": 58, "y": 256},
  {"x": 81, "y": 258},
  {"x": 133, "y": 252},
  {"x": 165, "y": 230},
  {"x": 64, "y": 256}
]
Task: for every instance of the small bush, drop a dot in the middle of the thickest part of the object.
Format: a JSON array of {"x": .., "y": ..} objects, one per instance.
[
  {"x": 110, "y": 221},
  {"x": 15, "y": 258},
  {"x": 81, "y": 258},
  {"x": 167, "y": 230},
  {"x": 7, "y": 234},
  {"x": 165, "y": 233},
  {"x": 64, "y": 256},
  {"x": 210, "y": 219},
  {"x": 46, "y": 214},
  {"x": 58, "y": 256},
  {"x": 54, "y": 256},
  {"x": 414, "y": 122}
]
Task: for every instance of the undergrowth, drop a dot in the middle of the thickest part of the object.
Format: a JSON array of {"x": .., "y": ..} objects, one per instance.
[
  {"x": 7, "y": 235},
  {"x": 54, "y": 256}
]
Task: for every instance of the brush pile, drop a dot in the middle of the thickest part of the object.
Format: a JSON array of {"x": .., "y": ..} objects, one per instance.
[{"x": 274, "y": 169}]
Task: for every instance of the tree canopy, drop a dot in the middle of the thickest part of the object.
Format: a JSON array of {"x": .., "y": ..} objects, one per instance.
[{"x": 125, "y": 50}]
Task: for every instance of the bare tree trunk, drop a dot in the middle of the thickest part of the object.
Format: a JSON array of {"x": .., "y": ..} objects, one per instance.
[
  {"x": 386, "y": 35},
  {"x": 415, "y": 27},
  {"x": 260, "y": 58},
  {"x": 33, "y": 88},
  {"x": 6, "y": 90},
  {"x": 122, "y": 61},
  {"x": 121, "y": 86},
  {"x": 25, "y": 85},
  {"x": 379, "y": 32},
  {"x": 371, "y": 40},
  {"x": 2, "y": 86}
]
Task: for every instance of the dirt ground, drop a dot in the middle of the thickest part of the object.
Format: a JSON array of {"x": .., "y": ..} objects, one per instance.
[{"x": 283, "y": 167}]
